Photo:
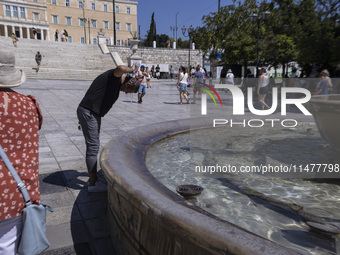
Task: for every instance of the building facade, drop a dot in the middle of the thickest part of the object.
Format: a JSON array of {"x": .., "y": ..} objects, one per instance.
[{"x": 82, "y": 19}]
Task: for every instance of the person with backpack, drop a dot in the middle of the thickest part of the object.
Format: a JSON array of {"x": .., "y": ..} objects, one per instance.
[{"x": 38, "y": 58}]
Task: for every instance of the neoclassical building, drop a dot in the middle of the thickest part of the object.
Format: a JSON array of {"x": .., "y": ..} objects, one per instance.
[{"x": 82, "y": 19}]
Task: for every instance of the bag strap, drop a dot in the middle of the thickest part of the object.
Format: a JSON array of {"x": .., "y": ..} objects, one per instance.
[{"x": 21, "y": 184}]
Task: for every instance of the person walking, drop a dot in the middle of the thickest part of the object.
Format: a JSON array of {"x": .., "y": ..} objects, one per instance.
[
  {"x": 15, "y": 40},
  {"x": 324, "y": 84},
  {"x": 153, "y": 71},
  {"x": 98, "y": 100},
  {"x": 66, "y": 35},
  {"x": 148, "y": 78},
  {"x": 230, "y": 77},
  {"x": 38, "y": 58},
  {"x": 20, "y": 121},
  {"x": 34, "y": 33},
  {"x": 182, "y": 84},
  {"x": 172, "y": 72},
  {"x": 62, "y": 35},
  {"x": 198, "y": 82},
  {"x": 158, "y": 72},
  {"x": 263, "y": 87},
  {"x": 56, "y": 35},
  {"x": 141, "y": 75}
]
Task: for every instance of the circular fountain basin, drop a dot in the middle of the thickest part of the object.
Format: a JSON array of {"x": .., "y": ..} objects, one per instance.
[
  {"x": 147, "y": 218},
  {"x": 326, "y": 112}
]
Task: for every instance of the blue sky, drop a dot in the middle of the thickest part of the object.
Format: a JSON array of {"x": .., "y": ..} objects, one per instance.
[{"x": 190, "y": 13}]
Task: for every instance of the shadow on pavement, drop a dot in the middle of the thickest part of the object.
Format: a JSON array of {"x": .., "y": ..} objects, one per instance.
[{"x": 89, "y": 225}]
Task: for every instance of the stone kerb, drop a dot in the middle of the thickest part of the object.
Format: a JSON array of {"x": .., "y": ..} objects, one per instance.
[{"x": 147, "y": 218}]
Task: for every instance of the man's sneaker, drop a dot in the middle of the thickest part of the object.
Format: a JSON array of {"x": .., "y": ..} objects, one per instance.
[{"x": 98, "y": 187}]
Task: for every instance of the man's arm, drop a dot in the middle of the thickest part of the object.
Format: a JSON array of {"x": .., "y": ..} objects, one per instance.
[{"x": 120, "y": 70}]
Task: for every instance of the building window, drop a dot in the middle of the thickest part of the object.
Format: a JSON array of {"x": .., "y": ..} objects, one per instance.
[
  {"x": 68, "y": 21},
  {"x": 94, "y": 23},
  {"x": 82, "y": 40},
  {"x": 15, "y": 12},
  {"x": 81, "y": 22},
  {"x": 35, "y": 1},
  {"x": 128, "y": 10},
  {"x": 117, "y": 9},
  {"x": 105, "y": 7},
  {"x": 106, "y": 24},
  {"x": 35, "y": 15},
  {"x": 94, "y": 41},
  {"x": 118, "y": 42},
  {"x": 55, "y": 19},
  {"x": 54, "y": 2},
  {"x": 80, "y": 4},
  {"x": 8, "y": 10},
  {"x": 67, "y": 3},
  {"x": 117, "y": 26},
  {"x": 69, "y": 38},
  {"x": 22, "y": 13},
  {"x": 128, "y": 26},
  {"x": 93, "y": 6}
]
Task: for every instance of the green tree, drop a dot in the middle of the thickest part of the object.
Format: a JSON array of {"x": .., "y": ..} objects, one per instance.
[
  {"x": 162, "y": 39},
  {"x": 231, "y": 33},
  {"x": 152, "y": 34}
]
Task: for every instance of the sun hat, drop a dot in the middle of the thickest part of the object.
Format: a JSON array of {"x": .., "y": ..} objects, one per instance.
[
  {"x": 229, "y": 71},
  {"x": 9, "y": 76}
]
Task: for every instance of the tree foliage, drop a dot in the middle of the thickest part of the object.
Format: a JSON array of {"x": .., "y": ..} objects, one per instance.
[
  {"x": 152, "y": 34},
  {"x": 297, "y": 30}
]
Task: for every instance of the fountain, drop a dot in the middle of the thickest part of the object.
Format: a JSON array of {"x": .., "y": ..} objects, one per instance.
[
  {"x": 146, "y": 217},
  {"x": 326, "y": 112}
]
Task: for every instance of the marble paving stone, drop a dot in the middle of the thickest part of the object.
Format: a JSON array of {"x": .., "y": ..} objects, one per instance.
[
  {"x": 58, "y": 199},
  {"x": 52, "y": 183},
  {"x": 104, "y": 247},
  {"x": 63, "y": 214},
  {"x": 98, "y": 227},
  {"x": 67, "y": 234},
  {"x": 92, "y": 210}
]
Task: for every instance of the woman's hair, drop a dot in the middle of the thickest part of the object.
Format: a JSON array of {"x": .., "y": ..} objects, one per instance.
[
  {"x": 324, "y": 72},
  {"x": 264, "y": 70},
  {"x": 183, "y": 69}
]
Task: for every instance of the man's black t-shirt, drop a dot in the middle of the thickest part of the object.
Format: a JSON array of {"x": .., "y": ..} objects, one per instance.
[{"x": 102, "y": 94}]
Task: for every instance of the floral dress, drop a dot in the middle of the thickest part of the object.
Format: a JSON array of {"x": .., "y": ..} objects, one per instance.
[{"x": 20, "y": 121}]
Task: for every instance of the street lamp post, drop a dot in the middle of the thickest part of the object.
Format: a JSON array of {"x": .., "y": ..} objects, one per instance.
[
  {"x": 257, "y": 18},
  {"x": 188, "y": 33},
  {"x": 89, "y": 31},
  {"x": 84, "y": 20},
  {"x": 176, "y": 27},
  {"x": 114, "y": 22}
]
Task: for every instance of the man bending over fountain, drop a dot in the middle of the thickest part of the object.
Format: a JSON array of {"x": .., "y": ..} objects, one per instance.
[{"x": 98, "y": 100}]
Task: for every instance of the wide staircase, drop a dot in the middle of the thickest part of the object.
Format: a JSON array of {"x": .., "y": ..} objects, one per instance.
[{"x": 60, "y": 61}]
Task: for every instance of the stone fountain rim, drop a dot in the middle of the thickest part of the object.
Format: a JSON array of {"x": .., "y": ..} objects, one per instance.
[
  {"x": 321, "y": 99},
  {"x": 127, "y": 174}
]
